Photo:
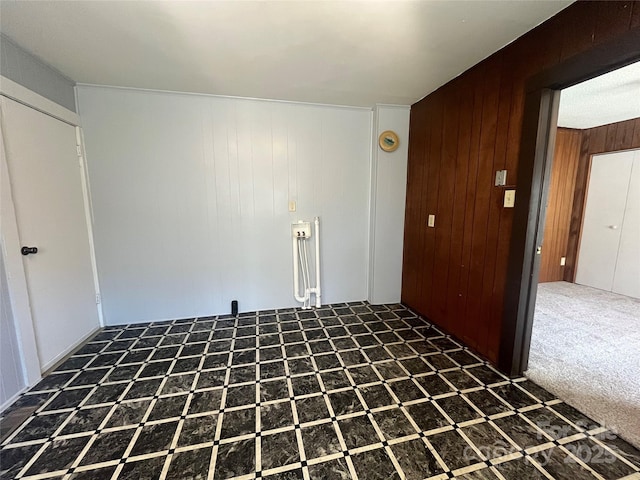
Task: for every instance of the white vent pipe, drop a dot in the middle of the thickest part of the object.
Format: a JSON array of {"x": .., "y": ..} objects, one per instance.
[{"x": 317, "y": 289}]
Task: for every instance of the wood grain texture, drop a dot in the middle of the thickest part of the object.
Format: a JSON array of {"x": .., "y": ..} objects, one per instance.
[
  {"x": 560, "y": 204},
  {"x": 607, "y": 138},
  {"x": 456, "y": 273}
]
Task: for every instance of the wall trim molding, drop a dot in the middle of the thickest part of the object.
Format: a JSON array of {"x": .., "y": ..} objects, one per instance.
[
  {"x": 231, "y": 97},
  {"x": 17, "y": 92},
  {"x": 53, "y": 364},
  {"x": 7, "y": 403}
]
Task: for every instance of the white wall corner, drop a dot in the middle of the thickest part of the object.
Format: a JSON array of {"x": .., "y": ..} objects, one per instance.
[
  {"x": 388, "y": 192},
  {"x": 373, "y": 182}
]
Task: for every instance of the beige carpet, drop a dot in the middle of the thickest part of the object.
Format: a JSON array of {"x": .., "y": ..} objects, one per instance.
[{"x": 585, "y": 348}]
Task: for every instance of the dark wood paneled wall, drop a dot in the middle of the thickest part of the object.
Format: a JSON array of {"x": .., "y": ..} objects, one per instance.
[
  {"x": 607, "y": 138},
  {"x": 560, "y": 204},
  {"x": 455, "y": 273}
]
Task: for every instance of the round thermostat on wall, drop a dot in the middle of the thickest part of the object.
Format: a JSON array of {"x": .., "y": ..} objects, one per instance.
[{"x": 388, "y": 141}]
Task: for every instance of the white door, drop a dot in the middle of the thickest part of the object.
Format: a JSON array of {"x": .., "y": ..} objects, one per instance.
[
  {"x": 626, "y": 280},
  {"x": 45, "y": 178},
  {"x": 603, "y": 216}
]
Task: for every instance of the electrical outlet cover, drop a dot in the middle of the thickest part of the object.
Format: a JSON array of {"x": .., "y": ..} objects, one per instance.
[{"x": 301, "y": 229}]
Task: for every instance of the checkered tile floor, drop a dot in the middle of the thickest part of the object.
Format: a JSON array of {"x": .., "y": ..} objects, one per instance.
[{"x": 350, "y": 391}]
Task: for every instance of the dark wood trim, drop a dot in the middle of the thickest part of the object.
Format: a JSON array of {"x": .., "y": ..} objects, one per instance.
[
  {"x": 598, "y": 60},
  {"x": 538, "y": 139},
  {"x": 533, "y": 179}
]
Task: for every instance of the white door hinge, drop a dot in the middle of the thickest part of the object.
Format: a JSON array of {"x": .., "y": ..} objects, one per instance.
[
  {"x": 79, "y": 150},
  {"x": 98, "y": 299}
]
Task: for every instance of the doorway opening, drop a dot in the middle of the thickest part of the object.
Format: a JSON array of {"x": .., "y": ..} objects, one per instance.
[{"x": 584, "y": 342}]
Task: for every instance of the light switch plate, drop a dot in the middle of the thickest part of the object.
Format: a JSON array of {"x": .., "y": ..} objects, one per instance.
[
  {"x": 292, "y": 205},
  {"x": 563, "y": 261},
  {"x": 509, "y": 198},
  {"x": 501, "y": 178},
  {"x": 431, "y": 222}
]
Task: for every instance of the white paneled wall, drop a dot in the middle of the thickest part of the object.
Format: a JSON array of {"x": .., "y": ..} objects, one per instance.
[
  {"x": 389, "y": 188},
  {"x": 11, "y": 375},
  {"x": 190, "y": 199}
]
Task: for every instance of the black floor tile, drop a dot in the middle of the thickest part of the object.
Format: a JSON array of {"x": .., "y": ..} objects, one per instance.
[
  {"x": 345, "y": 402},
  {"x": 305, "y": 385},
  {"x": 427, "y": 416},
  {"x": 374, "y": 465},
  {"x": 599, "y": 458},
  {"x": 235, "y": 459},
  {"x": 415, "y": 459},
  {"x": 197, "y": 430},
  {"x": 320, "y": 440},
  {"x": 561, "y": 465},
  {"x": 190, "y": 465},
  {"x": 457, "y": 409},
  {"x": 488, "y": 440},
  {"x": 86, "y": 420},
  {"x": 519, "y": 469},
  {"x": 207, "y": 401},
  {"x": 279, "y": 449},
  {"x": 358, "y": 431},
  {"x": 40, "y": 427},
  {"x": 376, "y": 396},
  {"x": 239, "y": 396},
  {"x": 337, "y": 469},
  {"x": 275, "y": 415},
  {"x": 108, "y": 446},
  {"x": 522, "y": 432},
  {"x": 273, "y": 390},
  {"x": 178, "y": 384},
  {"x": 58, "y": 455},
  {"x": 211, "y": 378},
  {"x": 167, "y": 407},
  {"x": 312, "y": 408},
  {"x": 453, "y": 449},
  {"x": 148, "y": 469},
  {"x": 104, "y": 473},
  {"x": 393, "y": 423},
  {"x": 143, "y": 388},
  {"x": 238, "y": 422},
  {"x": 434, "y": 385},
  {"x": 347, "y": 388},
  {"x": 154, "y": 438}
]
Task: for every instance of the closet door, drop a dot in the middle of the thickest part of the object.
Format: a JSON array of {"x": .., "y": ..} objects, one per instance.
[
  {"x": 603, "y": 218},
  {"x": 626, "y": 280},
  {"x": 46, "y": 187}
]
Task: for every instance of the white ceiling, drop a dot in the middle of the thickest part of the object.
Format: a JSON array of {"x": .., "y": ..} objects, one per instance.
[
  {"x": 338, "y": 52},
  {"x": 612, "y": 97}
]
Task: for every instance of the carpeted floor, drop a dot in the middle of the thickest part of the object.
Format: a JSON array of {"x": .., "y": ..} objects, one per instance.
[{"x": 585, "y": 348}]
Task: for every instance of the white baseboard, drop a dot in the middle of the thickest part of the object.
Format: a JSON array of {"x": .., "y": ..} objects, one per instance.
[
  {"x": 49, "y": 366},
  {"x": 46, "y": 369},
  {"x": 12, "y": 399}
]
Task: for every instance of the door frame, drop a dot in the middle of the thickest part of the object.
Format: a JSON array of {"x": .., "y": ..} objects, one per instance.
[
  {"x": 10, "y": 235},
  {"x": 536, "y": 154}
]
